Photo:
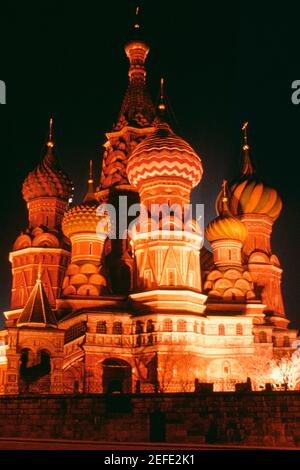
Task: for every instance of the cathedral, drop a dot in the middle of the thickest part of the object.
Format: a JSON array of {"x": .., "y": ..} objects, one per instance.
[{"x": 97, "y": 308}]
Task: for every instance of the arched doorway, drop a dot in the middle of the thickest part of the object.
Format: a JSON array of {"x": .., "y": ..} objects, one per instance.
[
  {"x": 116, "y": 376},
  {"x": 35, "y": 369}
]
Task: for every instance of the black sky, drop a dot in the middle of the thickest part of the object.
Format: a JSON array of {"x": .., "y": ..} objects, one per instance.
[{"x": 223, "y": 62}]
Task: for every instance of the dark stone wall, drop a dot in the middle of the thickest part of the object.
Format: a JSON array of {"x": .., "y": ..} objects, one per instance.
[{"x": 254, "y": 418}]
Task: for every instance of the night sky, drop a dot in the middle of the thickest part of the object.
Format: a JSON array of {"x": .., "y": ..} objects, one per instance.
[{"x": 223, "y": 62}]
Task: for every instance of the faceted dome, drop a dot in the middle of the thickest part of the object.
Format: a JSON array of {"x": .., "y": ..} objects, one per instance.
[
  {"x": 81, "y": 218},
  {"x": 164, "y": 154},
  {"x": 47, "y": 180}
]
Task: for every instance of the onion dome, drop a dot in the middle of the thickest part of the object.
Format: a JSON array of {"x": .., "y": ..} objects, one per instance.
[
  {"x": 249, "y": 194},
  {"x": 83, "y": 217},
  {"x": 226, "y": 226},
  {"x": 47, "y": 179},
  {"x": 41, "y": 237},
  {"x": 164, "y": 154}
]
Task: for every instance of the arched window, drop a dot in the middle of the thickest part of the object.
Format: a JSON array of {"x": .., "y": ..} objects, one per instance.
[
  {"x": 181, "y": 325},
  {"x": 150, "y": 326},
  {"x": 226, "y": 368},
  {"x": 239, "y": 329},
  {"x": 286, "y": 341},
  {"x": 117, "y": 328},
  {"x": 171, "y": 276},
  {"x": 167, "y": 324},
  {"x": 101, "y": 327},
  {"x": 196, "y": 327},
  {"x": 139, "y": 327},
  {"x": 221, "y": 330},
  {"x": 202, "y": 328},
  {"x": 262, "y": 337},
  {"x": 150, "y": 339}
]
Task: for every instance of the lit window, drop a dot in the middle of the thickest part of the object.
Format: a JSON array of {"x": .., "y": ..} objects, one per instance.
[
  {"x": 221, "y": 330},
  {"x": 181, "y": 325},
  {"x": 75, "y": 331},
  {"x": 226, "y": 368},
  {"x": 239, "y": 329},
  {"x": 117, "y": 328},
  {"x": 139, "y": 327},
  {"x": 101, "y": 327},
  {"x": 150, "y": 326},
  {"x": 168, "y": 325},
  {"x": 262, "y": 337}
]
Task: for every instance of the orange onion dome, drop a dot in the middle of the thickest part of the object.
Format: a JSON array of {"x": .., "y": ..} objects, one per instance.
[
  {"x": 81, "y": 218},
  {"x": 226, "y": 226},
  {"x": 249, "y": 194},
  {"x": 47, "y": 180},
  {"x": 164, "y": 154}
]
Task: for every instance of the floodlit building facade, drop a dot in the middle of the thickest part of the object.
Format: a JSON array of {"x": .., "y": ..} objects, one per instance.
[{"x": 149, "y": 309}]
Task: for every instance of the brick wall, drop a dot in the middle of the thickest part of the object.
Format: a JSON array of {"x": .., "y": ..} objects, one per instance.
[{"x": 256, "y": 418}]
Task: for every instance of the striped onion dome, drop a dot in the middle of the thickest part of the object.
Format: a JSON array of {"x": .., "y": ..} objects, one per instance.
[
  {"x": 47, "y": 180},
  {"x": 249, "y": 194},
  {"x": 164, "y": 154},
  {"x": 226, "y": 226}
]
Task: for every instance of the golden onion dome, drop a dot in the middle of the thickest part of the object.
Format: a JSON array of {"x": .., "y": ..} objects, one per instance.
[
  {"x": 81, "y": 218},
  {"x": 226, "y": 226},
  {"x": 249, "y": 194},
  {"x": 47, "y": 179},
  {"x": 164, "y": 154}
]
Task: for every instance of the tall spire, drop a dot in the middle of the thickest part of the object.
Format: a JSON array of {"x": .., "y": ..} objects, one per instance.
[
  {"x": 248, "y": 168},
  {"x": 37, "y": 311},
  {"x": 90, "y": 195},
  {"x": 137, "y": 109}
]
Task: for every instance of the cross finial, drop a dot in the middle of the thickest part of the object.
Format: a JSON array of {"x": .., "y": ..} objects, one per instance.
[
  {"x": 137, "y": 14},
  {"x": 247, "y": 165},
  {"x": 50, "y": 141},
  {"x": 225, "y": 210},
  {"x": 162, "y": 105},
  {"x": 245, "y": 133},
  {"x": 90, "y": 192},
  {"x": 91, "y": 170},
  {"x": 224, "y": 188}
]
